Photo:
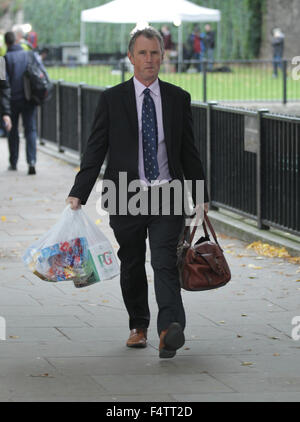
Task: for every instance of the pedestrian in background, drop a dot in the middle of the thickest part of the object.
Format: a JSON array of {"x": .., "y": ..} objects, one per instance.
[
  {"x": 168, "y": 44},
  {"x": 195, "y": 41},
  {"x": 16, "y": 63},
  {"x": 209, "y": 43},
  {"x": 278, "y": 50},
  {"x": 21, "y": 40}
]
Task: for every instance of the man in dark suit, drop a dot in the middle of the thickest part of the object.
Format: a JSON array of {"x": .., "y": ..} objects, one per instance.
[{"x": 145, "y": 126}]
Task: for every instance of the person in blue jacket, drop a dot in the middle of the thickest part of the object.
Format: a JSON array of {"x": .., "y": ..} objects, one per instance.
[{"x": 16, "y": 63}]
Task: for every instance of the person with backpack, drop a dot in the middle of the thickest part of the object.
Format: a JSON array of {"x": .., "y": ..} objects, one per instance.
[{"x": 16, "y": 65}]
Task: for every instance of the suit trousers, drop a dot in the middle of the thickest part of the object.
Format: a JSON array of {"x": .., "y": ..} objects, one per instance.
[{"x": 163, "y": 231}]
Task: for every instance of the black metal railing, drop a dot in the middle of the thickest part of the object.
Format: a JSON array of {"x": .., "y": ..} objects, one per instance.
[{"x": 251, "y": 158}]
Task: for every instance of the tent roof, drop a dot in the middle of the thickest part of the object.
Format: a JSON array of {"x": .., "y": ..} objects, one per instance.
[{"x": 134, "y": 11}]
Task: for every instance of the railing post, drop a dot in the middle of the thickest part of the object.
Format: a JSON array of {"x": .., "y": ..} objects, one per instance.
[
  {"x": 123, "y": 70},
  {"x": 204, "y": 69},
  {"x": 79, "y": 118},
  {"x": 208, "y": 151},
  {"x": 284, "y": 74},
  {"x": 259, "y": 181},
  {"x": 58, "y": 117}
]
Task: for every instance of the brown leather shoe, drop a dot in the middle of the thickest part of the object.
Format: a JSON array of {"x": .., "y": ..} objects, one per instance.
[
  {"x": 137, "y": 338},
  {"x": 171, "y": 340}
]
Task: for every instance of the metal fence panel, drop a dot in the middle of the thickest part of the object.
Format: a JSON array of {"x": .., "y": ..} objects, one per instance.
[
  {"x": 233, "y": 169},
  {"x": 69, "y": 116},
  {"x": 281, "y": 180},
  {"x": 49, "y": 119},
  {"x": 89, "y": 101},
  {"x": 200, "y": 132}
]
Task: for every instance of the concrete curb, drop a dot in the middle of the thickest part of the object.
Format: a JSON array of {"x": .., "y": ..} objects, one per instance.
[{"x": 236, "y": 226}]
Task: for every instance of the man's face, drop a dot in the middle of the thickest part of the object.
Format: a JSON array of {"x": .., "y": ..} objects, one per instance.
[{"x": 146, "y": 59}]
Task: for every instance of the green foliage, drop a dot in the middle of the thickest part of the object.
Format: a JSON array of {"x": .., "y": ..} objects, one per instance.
[
  {"x": 58, "y": 21},
  {"x": 256, "y": 10}
]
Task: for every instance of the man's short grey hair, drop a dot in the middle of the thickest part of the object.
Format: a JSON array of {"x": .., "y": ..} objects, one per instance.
[{"x": 149, "y": 33}]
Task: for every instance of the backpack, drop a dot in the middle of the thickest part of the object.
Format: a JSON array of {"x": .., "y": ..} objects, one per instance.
[{"x": 37, "y": 85}]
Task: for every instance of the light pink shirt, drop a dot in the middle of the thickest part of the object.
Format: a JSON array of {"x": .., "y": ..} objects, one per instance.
[{"x": 162, "y": 156}]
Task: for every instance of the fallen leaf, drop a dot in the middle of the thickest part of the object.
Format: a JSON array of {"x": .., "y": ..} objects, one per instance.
[
  {"x": 276, "y": 354},
  {"x": 294, "y": 260},
  {"x": 254, "y": 266},
  {"x": 3, "y": 218},
  {"x": 98, "y": 222},
  {"x": 267, "y": 250},
  {"x": 274, "y": 338},
  {"x": 244, "y": 315},
  {"x": 239, "y": 336},
  {"x": 14, "y": 337},
  {"x": 247, "y": 363}
]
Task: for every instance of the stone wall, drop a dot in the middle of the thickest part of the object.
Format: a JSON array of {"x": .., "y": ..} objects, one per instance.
[{"x": 284, "y": 14}]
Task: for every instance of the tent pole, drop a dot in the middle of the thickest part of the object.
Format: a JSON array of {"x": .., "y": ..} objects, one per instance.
[
  {"x": 180, "y": 47},
  {"x": 82, "y": 35},
  {"x": 219, "y": 41},
  {"x": 123, "y": 38}
]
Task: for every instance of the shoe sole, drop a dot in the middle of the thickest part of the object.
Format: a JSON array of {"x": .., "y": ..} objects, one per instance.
[
  {"x": 167, "y": 354},
  {"x": 137, "y": 346},
  {"x": 174, "y": 339}
]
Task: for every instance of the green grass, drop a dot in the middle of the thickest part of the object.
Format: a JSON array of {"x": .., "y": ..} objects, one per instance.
[{"x": 245, "y": 83}]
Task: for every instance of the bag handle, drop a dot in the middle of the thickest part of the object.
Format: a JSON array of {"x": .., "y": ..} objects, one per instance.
[{"x": 207, "y": 221}]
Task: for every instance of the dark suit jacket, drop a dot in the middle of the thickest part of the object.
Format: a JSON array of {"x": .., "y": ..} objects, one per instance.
[{"x": 115, "y": 131}]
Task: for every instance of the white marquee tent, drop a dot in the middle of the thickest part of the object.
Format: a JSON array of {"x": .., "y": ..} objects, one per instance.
[{"x": 150, "y": 11}]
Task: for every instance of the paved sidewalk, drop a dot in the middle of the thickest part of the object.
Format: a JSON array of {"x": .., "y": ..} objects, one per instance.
[{"x": 65, "y": 344}]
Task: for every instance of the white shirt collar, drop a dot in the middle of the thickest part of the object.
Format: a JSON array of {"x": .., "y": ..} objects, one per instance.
[{"x": 140, "y": 88}]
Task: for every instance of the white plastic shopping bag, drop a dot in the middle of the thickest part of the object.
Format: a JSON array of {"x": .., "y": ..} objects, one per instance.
[{"x": 73, "y": 249}]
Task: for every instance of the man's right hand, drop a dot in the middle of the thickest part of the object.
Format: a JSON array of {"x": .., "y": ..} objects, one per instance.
[
  {"x": 7, "y": 122},
  {"x": 74, "y": 202}
]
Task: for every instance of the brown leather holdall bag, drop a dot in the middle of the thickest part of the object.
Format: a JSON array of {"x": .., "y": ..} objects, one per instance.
[{"x": 202, "y": 266}]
